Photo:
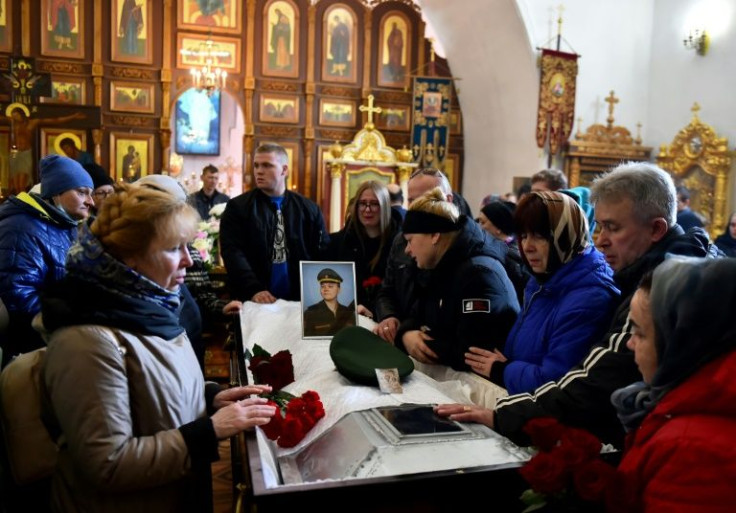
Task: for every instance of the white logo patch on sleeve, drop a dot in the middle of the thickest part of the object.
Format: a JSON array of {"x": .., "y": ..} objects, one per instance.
[{"x": 476, "y": 305}]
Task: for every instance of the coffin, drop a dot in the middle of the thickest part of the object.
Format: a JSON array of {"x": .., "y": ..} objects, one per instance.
[{"x": 372, "y": 451}]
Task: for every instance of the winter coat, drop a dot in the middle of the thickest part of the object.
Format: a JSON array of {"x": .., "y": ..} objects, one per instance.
[
  {"x": 581, "y": 398},
  {"x": 34, "y": 239},
  {"x": 561, "y": 320},
  {"x": 247, "y": 230},
  {"x": 468, "y": 299}
]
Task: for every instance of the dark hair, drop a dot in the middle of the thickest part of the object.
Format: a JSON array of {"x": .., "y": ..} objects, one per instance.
[
  {"x": 532, "y": 216},
  {"x": 396, "y": 196},
  {"x": 209, "y": 168},
  {"x": 554, "y": 178},
  {"x": 523, "y": 189},
  {"x": 682, "y": 192},
  {"x": 645, "y": 283}
]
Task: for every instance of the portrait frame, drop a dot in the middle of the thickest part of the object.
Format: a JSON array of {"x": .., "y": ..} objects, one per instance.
[
  {"x": 278, "y": 108},
  {"x": 271, "y": 60},
  {"x": 334, "y": 112},
  {"x": 142, "y": 143},
  {"x": 346, "y": 72},
  {"x": 197, "y": 134},
  {"x": 394, "y": 117},
  {"x": 132, "y": 96},
  {"x": 143, "y": 42},
  {"x": 228, "y": 20},
  {"x": 52, "y": 45},
  {"x": 50, "y": 138},
  {"x": 231, "y": 63},
  {"x": 6, "y": 21},
  {"x": 385, "y": 75},
  {"x": 311, "y": 296},
  {"x": 431, "y": 104},
  {"x": 67, "y": 90},
  {"x": 292, "y": 150}
]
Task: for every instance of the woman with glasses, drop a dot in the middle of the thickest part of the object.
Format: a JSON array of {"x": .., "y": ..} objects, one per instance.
[
  {"x": 103, "y": 185},
  {"x": 467, "y": 299},
  {"x": 568, "y": 301},
  {"x": 370, "y": 227}
]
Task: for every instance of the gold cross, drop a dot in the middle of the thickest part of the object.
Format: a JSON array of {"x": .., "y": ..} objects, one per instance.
[
  {"x": 560, "y": 8},
  {"x": 611, "y": 100},
  {"x": 695, "y": 108},
  {"x": 370, "y": 109}
]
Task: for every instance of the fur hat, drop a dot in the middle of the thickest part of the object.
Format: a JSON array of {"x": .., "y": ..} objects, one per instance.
[
  {"x": 60, "y": 174},
  {"x": 99, "y": 176}
]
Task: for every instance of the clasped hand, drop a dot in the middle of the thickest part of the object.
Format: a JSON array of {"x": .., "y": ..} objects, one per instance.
[{"x": 238, "y": 411}]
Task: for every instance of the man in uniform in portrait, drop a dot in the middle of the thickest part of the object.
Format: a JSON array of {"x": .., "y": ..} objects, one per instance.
[{"x": 328, "y": 316}]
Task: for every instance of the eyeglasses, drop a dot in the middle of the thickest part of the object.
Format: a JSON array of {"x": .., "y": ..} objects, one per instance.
[
  {"x": 102, "y": 194},
  {"x": 369, "y": 205},
  {"x": 429, "y": 171}
]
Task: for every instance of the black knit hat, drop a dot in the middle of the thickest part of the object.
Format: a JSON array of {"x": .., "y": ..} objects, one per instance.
[
  {"x": 501, "y": 214},
  {"x": 99, "y": 176}
]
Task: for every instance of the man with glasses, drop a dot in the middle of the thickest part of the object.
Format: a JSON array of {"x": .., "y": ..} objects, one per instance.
[
  {"x": 265, "y": 232},
  {"x": 103, "y": 185},
  {"x": 36, "y": 231}
]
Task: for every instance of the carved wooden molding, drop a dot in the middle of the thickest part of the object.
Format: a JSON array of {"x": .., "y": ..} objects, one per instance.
[
  {"x": 337, "y": 135},
  {"x": 393, "y": 96},
  {"x": 290, "y": 87},
  {"x": 61, "y": 67},
  {"x": 142, "y": 74},
  {"x": 278, "y": 131},
  {"x": 136, "y": 121},
  {"x": 339, "y": 91}
]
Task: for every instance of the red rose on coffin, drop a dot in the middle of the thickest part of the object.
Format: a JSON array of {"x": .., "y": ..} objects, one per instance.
[
  {"x": 276, "y": 370},
  {"x": 294, "y": 418}
]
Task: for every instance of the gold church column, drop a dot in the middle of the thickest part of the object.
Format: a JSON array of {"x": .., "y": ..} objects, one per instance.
[
  {"x": 165, "y": 121},
  {"x": 367, "y": 54},
  {"x": 249, "y": 85},
  {"x": 25, "y": 21}
]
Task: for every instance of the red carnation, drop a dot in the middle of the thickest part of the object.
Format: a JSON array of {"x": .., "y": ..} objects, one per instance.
[
  {"x": 546, "y": 473},
  {"x": 545, "y": 432},
  {"x": 592, "y": 479},
  {"x": 273, "y": 429},
  {"x": 293, "y": 433}
]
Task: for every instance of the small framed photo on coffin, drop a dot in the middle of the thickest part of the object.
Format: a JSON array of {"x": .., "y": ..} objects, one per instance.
[{"x": 328, "y": 298}]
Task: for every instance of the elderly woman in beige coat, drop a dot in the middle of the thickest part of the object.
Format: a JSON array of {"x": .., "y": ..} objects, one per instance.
[{"x": 138, "y": 427}]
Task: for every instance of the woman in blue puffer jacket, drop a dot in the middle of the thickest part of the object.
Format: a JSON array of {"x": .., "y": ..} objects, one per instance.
[{"x": 568, "y": 302}]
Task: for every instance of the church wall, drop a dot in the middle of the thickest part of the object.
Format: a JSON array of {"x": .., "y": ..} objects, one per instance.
[{"x": 633, "y": 47}]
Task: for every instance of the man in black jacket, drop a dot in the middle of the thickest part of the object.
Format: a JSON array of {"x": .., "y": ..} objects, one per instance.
[
  {"x": 264, "y": 233},
  {"x": 635, "y": 207}
]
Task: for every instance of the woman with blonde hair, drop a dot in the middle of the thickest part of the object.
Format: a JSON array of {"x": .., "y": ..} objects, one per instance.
[
  {"x": 138, "y": 427},
  {"x": 370, "y": 227},
  {"x": 467, "y": 299}
]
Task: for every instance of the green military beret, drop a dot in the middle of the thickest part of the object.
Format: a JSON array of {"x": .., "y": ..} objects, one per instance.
[
  {"x": 357, "y": 353},
  {"x": 329, "y": 275}
]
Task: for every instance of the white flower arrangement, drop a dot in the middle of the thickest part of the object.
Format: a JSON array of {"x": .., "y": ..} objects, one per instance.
[{"x": 208, "y": 233}]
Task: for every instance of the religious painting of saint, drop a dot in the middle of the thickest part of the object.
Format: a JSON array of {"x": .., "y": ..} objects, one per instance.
[
  {"x": 131, "y": 156},
  {"x": 276, "y": 108},
  {"x": 131, "y": 97},
  {"x": 431, "y": 104},
  {"x": 69, "y": 90},
  {"x": 336, "y": 112},
  {"x": 52, "y": 137},
  {"x": 339, "y": 43},
  {"x": 132, "y": 31},
  {"x": 394, "y": 117},
  {"x": 198, "y": 122},
  {"x": 210, "y": 15},
  {"x": 227, "y": 50},
  {"x": 281, "y": 39},
  {"x": 62, "y": 28},
  {"x": 394, "y": 50},
  {"x": 6, "y": 27}
]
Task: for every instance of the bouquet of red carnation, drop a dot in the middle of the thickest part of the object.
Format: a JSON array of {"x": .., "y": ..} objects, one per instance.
[
  {"x": 276, "y": 370},
  {"x": 372, "y": 285},
  {"x": 294, "y": 418},
  {"x": 567, "y": 470}
]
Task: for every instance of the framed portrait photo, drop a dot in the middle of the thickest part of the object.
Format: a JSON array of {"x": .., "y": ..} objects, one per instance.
[
  {"x": 279, "y": 108},
  {"x": 328, "y": 298},
  {"x": 197, "y": 122},
  {"x": 222, "y": 16},
  {"x": 132, "y": 31},
  {"x": 6, "y": 23},
  {"x": 336, "y": 112},
  {"x": 69, "y": 90},
  {"x": 281, "y": 39},
  {"x": 131, "y": 97},
  {"x": 62, "y": 28},
  {"x": 131, "y": 156}
]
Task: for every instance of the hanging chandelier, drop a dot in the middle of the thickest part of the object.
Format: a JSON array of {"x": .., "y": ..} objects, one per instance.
[{"x": 207, "y": 77}]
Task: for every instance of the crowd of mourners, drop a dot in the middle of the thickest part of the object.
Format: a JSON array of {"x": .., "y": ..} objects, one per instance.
[{"x": 596, "y": 306}]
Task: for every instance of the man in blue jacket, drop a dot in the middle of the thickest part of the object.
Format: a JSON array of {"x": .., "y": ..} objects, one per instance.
[{"x": 36, "y": 231}]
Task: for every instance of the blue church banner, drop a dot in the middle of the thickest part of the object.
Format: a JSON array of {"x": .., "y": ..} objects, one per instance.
[{"x": 430, "y": 131}]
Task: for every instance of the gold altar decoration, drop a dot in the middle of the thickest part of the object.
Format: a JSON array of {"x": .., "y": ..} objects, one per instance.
[
  {"x": 700, "y": 160},
  {"x": 601, "y": 148}
]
